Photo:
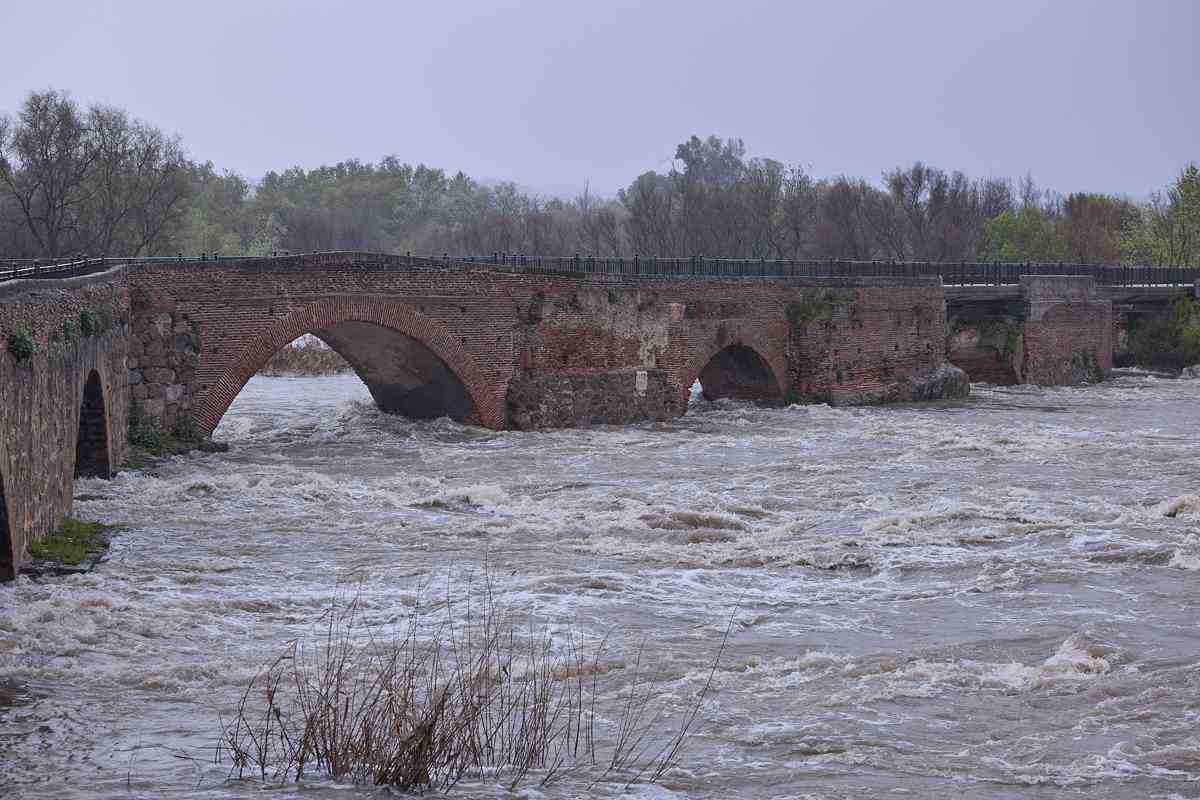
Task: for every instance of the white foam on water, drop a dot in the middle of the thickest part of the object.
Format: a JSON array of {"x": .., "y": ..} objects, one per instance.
[
  {"x": 1187, "y": 505},
  {"x": 883, "y": 559}
]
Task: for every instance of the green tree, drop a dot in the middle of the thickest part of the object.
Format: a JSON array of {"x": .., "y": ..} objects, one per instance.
[
  {"x": 1027, "y": 234},
  {"x": 1166, "y": 231}
]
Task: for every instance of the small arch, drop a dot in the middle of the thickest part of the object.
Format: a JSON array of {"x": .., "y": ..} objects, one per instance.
[
  {"x": 984, "y": 364},
  {"x": 737, "y": 371},
  {"x": 349, "y": 328},
  {"x": 989, "y": 351},
  {"x": 91, "y": 442}
]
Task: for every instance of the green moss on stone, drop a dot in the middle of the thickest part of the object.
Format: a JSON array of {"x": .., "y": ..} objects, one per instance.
[
  {"x": 72, "y": 542},
  {"x": 89, "y": 323},
  {"x": 22, "y": 344},
  {"x": 818, "y": 306}
]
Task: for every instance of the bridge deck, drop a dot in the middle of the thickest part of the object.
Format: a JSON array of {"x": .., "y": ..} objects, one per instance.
[{"x": 952, "y": 274}]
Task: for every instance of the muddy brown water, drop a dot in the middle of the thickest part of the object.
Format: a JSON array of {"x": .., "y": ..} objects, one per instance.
[{"x": 994, "y": 598}]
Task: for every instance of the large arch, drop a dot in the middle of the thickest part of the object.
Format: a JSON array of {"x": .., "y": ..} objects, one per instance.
[
  {"x": 345, "y": 324},
  {"x": 738, "y": 369},
  {"x": 91, "y": 441}
]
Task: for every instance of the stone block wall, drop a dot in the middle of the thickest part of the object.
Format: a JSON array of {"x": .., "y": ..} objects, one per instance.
[
  {"x": 79, "y": 329},
  {"x": 163, "y": 355},
  {"x": 601, "y": 397}
]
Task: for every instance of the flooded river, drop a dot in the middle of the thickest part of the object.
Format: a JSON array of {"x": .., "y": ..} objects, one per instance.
[{"x": 989, "y": 599}]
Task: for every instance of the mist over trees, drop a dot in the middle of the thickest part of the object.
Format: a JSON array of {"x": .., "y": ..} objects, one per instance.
[{"x": 95, "y": 180}]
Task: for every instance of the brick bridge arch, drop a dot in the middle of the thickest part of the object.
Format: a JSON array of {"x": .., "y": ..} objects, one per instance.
[
  {"x": 756, "y": 340},
  {"x": 325, "y": 314}
]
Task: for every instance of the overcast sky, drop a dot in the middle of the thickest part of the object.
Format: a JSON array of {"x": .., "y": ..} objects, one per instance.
[{"x": 1101, "y": 95}]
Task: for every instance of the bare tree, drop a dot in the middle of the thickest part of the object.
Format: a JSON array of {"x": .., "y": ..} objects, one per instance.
[
  {"x": 136, "y": 185},
  {"x": 45, "y": 157}
]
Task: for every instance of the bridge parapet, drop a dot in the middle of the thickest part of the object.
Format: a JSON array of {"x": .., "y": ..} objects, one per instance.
[{"x": 960, "y": 273}]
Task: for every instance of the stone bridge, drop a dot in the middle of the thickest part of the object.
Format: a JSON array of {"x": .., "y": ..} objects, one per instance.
[
  {"x": 1046, "y": 330},
  {"x": 520, "y": 349},
  {"x": 172, "y": 343}
]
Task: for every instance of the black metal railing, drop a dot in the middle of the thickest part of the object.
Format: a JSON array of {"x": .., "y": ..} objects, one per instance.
[{"x": 950, "y": 273}]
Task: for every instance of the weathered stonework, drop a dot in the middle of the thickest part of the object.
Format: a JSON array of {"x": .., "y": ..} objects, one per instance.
[
  {"x": 1057, "y": 330},
  {"x": 609, "y": 397},
  {"x": 471, "y": 343},
  {"x": 990, "y": 350},
  {"x": 870, "y": 342},
  {"x": 163, "y": 355},
  {"x": 64, "y": 408},
  {"x": 1068, "y": 331}
]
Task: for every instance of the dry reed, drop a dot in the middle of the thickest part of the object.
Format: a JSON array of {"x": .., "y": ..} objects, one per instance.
[{"x": 464, "y": 694}]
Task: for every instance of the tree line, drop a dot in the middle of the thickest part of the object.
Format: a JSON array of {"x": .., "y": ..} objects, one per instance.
[{"x": 98, "y": 181}]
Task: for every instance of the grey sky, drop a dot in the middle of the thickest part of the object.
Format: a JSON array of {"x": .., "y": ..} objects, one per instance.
[{"x": 1087, "y": 95}]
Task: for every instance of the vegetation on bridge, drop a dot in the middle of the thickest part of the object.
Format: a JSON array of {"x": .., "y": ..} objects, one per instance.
[
  {"x": 1171, "y": 339},
  {"x": 21, "y": 344}
]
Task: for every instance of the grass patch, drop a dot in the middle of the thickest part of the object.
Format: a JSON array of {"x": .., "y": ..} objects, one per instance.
[
  {"x": 72, "y": 542},
  {"x": 147, "y": 442},
  {"x": 435, "y": 503}
]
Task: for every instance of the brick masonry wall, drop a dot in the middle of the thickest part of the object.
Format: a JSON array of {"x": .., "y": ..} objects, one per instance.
[
  {"x": 1071, "y": 344},
  {"x": 43, "y": 397},
  {"x": 1068, "y": 333},
  {"x": 202, "y": 329}
]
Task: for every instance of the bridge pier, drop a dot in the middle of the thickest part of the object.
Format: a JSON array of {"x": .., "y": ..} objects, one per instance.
[
  {"x": 1050, "y": 331},
  {"x": 65, "y": 395}
]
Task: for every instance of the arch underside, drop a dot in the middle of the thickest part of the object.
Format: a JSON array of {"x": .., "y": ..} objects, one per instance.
[
  {"x": 737, "y": 371},
  {"x": 403, "y": 375},
  {"x": 984, "y": 364},
  {"x": 412, "y": 364},
  {"x": 91, "y": 441}
]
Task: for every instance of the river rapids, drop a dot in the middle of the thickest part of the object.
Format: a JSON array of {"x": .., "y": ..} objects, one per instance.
[{"x": 993, "y": 598}]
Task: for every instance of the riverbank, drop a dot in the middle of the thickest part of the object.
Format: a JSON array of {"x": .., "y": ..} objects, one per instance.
[{"x": 311, "y": 358}]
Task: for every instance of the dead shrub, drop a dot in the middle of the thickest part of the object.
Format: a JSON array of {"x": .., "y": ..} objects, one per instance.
[{"x": 464, "y": 692}]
